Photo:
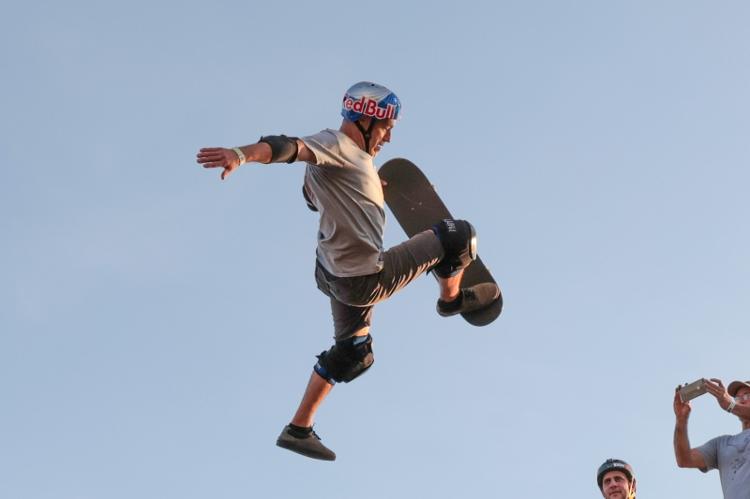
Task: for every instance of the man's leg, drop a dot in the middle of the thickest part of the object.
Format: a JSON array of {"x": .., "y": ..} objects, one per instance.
[
  {"x": 298, "y": 436},
  {"x": 455, "y": 300},
  {"x": 424, "y": 251},
  {"x": 317, "y": 390},
  {"x": 458, "y": 239},
  {"x": 450, "y": 287},
  {"x": 345, "y": 361}
]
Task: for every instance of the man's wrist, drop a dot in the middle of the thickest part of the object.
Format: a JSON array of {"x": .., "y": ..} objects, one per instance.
[
  {"x": 731, "y": 406},
  {"x": 240, "y": 155}
]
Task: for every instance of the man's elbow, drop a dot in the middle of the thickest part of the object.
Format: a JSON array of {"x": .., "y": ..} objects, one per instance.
[
  {"x": 681, "y": 463},
  {"x": 688, "y": 462}
]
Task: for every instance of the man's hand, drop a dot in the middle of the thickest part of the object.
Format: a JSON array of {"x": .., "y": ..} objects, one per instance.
[
  {"x": 219, "y": 157},
  {"x": 685, "y": 456},
  {"x": 716, "y": 388},
  {"x": 681, "y": 409}
]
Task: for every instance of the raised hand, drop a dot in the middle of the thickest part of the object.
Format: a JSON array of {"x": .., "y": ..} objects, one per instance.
[
  {"x": 715, "y": 387},
  {"x": 681, "y": 409}
]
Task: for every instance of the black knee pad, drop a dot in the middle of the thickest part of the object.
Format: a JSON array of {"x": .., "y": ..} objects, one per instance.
[
  {"x": 459, "y": 240},
  {"x": 346, "y": 360}
]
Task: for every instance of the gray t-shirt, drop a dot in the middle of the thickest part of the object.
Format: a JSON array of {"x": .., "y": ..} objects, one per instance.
[
  {"x": 730, "y": 454},
  {"x": 345, "y": 188}
]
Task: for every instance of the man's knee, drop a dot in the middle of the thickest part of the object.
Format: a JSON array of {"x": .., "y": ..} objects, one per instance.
[
  {"x": 459, "y": 241},
  {"x": 346, "y": 360}
]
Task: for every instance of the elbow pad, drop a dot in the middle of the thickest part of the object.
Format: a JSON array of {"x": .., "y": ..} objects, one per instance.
[{"x": 283, "y": 148}]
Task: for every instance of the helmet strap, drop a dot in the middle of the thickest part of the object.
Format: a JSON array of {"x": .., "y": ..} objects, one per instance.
[
  {"x": 631, "y": 494},
  {"x": 366, "y": 133}
]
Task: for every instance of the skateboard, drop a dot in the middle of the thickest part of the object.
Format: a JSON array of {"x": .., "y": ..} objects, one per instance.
[{"x": 417, "y": 207}]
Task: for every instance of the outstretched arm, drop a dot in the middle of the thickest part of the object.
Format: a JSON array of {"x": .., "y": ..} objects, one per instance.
[
  {"x": 231, "y": 158},
  {"x": 685, "y": 456}
]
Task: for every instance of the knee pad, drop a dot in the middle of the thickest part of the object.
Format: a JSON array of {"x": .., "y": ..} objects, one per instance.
[
  {"x": 459, "y": 240},
  {"x": 346, "y": 360}
]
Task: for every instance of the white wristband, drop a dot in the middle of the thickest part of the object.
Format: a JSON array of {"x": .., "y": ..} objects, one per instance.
[
  {"x": 240, "y": 154},
  {"x": 731, "y": 406}
]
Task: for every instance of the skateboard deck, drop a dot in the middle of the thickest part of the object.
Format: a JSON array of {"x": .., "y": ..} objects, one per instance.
[{"x": 417, "y": 207}]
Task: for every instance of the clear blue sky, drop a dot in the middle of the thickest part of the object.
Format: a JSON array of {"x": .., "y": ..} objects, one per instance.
[{"x": 157, "y": 325}]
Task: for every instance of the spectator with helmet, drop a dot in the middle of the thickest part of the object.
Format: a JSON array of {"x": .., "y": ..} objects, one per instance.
[
  {"x": 616, "y": 479},
  {"x": 352, "y": 267},
  {"x": 730, "y": 454}
]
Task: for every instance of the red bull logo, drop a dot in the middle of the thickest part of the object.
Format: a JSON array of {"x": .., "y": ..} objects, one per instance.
[{"x": 369, "y": 107}]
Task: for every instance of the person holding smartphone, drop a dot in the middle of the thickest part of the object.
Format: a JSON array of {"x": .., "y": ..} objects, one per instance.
[{"x": 730, "y": 454}]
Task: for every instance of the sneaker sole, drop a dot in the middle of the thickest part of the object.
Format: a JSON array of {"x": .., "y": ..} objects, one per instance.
[{"x": 302, "y": 452}]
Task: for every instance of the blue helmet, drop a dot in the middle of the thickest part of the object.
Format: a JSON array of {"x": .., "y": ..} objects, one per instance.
[{"x": 370, "y": 99}]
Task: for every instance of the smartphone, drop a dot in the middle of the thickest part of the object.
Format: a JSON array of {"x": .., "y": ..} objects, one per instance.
[{"x": 692, "y": 390}]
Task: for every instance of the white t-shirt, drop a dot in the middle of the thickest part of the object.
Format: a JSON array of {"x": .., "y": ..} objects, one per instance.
[{"x": 345, "y": 188}]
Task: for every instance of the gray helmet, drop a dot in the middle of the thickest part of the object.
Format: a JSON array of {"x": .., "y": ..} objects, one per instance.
[{"x": 614, "y": 465}]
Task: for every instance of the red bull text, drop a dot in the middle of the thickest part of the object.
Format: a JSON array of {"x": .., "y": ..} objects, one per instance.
[{"x": 369, "y": 107}]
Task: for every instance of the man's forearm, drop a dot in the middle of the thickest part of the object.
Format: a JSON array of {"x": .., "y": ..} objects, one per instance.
[
  {"x": 257, "y": 153},
  {"x": 681, "y": 443}
]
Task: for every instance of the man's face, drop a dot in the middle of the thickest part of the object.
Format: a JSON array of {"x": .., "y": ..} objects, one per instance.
[
  {"x": 380, "y": 134},
  {"x": 615, "y": 485},
  {"x": 742, "y": 397}
]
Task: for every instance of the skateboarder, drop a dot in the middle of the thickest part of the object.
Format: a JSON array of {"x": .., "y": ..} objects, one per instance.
[{"x": 352, "y": 268}]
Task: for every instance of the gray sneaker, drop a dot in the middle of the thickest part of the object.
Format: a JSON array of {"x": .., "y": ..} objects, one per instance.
[
  {"x": 309, "y": 446},
  {"x": 471, "y": 299}
]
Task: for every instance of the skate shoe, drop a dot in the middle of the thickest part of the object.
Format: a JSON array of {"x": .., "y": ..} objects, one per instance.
[
  {"x": 309, "y": 445},
  {"x": 470, "y": 299}
]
